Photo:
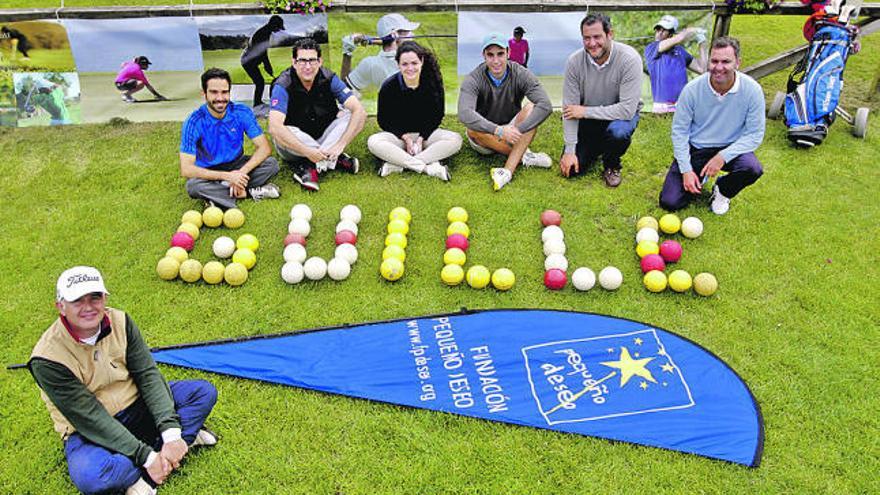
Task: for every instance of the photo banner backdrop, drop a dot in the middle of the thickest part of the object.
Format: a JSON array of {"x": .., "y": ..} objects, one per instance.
[
  {"x": 38, "y": 80},
  {"x": 553, "y": 36},
  {"x": 570, "y": 372},
  {"x": 104, "y": 49}
]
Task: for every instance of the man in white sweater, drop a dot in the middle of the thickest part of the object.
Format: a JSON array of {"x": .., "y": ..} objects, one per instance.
[
  {"x": 718, "y": 125},
  {"x": 601, "y": 98}
]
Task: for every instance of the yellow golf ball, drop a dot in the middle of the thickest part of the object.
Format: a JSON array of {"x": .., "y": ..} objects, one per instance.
[
  {"x": 670, "y": 223},
  {"x": 478, "y": 276},
  {"x": 399, "y": 226},
  {"x": 457, "y": 214},
  {"x": 191, "y": 270},
  {"x": 245, "y": 256},
  {"x": 190, "y": 229},
  {"x": 177, "y": 253},
  {"x": 212, "y": 216},
  {"x": 680, "y": 281},
  {"x": 212, "y": 272},
  {"x": 705, "y": 284},
  {"x": 193, "y": 217},
  {"x": 396, "y": 239},
  {"x": 248, "y": 241},
  {"x": 168, "y": 268},
  {"x": 454, "y": 256},
  {"x": 394, "y": 251},
  {"x": 458, "y": 228},
  {"x": 647, "y": 222},
  {"x": 503, "y": 279},
  {"x": 401, "y": 213},
  {"x": 452, "y": 274},
  {"x": 645, "y": 248},
  {"x": 391, "y": 269},
  {"x": 655, "y": 281},
  {"x": 233, "y": 218},
  {"x": 235, "y": 274}
]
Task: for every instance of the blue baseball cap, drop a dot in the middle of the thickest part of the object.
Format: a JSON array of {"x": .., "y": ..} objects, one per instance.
[{"x": 494, "y": 39}]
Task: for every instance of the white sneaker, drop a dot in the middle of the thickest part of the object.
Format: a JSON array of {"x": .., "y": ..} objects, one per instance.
[
  {"x": 128, "y": 99},
  {"x": 435, "y": 169},
  {"x": 720, "y": 204},
  {"x": 204, "y": 438},
  {"x": 266, "y": 191},
  {"x": 140, "y": 487},
  {"x": 388, "y": 169},
  {"x": 500, "y": 177},
  {"x": 540, "y": 160},
  {"x": 325, "y": 165}
]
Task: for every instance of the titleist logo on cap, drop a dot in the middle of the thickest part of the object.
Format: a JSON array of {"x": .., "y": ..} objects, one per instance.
[{"x": 80, "y": 278}]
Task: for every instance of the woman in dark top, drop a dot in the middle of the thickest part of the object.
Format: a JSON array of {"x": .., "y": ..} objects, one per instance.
[
  {"x": 256, "y": 53},
  {"x": 411, "y": 105}
]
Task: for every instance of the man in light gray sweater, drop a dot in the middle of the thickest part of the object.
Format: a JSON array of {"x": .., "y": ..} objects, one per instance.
[
  {"x": 600, "y": 101},
  {"x": 490, "y": 106}
]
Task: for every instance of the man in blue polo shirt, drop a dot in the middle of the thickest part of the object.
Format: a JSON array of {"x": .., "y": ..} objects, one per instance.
[
  {"x": 668, "y": 62},
  {"x": 212, "y": 148}
]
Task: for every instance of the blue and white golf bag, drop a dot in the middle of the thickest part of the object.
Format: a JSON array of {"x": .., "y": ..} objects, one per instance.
[{"x": 815, "y": 84}]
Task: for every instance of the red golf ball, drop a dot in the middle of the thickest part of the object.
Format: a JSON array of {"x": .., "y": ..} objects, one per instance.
[
  {"x": 670, "y": 251},
  {"x": 457, "y": 241},
  {"x": 346, "y": 237},
  {"x": 297, "y": 238},
  {"x": 182, "y": 239},
  {"x": 555, "y": 279},
  {"x": 550, "y": 217},
  {"x": 653, "y": 262}
]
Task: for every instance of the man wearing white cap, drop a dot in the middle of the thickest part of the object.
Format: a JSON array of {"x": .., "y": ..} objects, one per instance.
[
  {"x": 123, "y": 427},
  {"x": 373, "y": 70},
  {"x": 668, "y": 61},
  {"x": 490, "y": 105}
]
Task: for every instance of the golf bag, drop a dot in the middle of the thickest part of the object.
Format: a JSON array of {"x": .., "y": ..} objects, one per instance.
[{"x": 815, "y": 84}]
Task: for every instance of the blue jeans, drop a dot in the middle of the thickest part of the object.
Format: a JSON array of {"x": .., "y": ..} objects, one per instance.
[
  {"x": 94, "y": 469},
  {"x": 606, "y": 138}
]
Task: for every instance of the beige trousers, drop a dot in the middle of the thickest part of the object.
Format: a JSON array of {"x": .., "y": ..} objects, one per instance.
[{"x": 440, "y": 144}]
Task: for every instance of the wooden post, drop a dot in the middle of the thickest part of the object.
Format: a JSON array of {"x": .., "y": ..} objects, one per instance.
[{"x": 722, "y": 25}]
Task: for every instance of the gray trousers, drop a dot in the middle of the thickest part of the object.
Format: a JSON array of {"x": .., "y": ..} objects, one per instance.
[{"x": 218, "y": 191}]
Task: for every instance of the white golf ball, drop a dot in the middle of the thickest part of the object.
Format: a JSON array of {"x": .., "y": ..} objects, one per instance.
[
  {"x": 583, "y": 279},
  {"x": 347, "y": 252},
  {"x": 224, "y": 247},
  {"x": 692, "y": 227},
  {"x": 338, "y": 269},
  {"x": 647, "y": 234},
  {"x": 295, "y": 252},
  {"x": 299, "y": 226},
  {"x": 292, "y": 272},
  {"x": 315, "y": 268},
  {"x": 556, "y": 261},
  {"x": 350, "y": 212},
  {"x": 347, "y": 225},
  {"x": 301, "y": 211},
  {"x": 552, "y": 232},
  {"x": 610, "y": 278},
  {"x": 554, "y": 246}
]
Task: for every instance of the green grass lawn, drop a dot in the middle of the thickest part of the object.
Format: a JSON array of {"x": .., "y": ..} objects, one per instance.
[
  {"x": 231, "y": 61},
  {"x": 796, "y": 315},
  {"x": 40, "y": 60}
]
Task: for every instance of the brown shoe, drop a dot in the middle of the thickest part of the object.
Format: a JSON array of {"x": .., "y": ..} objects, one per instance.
[{"x": 612, "y": 177}]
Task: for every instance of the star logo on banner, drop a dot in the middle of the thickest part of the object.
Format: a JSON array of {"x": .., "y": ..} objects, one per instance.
[
  {"x": 630, "y": 367},
  {"x": 667, "y": 367},
  {"x": 638, "y": 341},
  {"x": 644, "y": 385}
]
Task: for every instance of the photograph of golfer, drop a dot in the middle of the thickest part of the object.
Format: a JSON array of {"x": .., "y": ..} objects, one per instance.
[{"x": 35, "y": 46}]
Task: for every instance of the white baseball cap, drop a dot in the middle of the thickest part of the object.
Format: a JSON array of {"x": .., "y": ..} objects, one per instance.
[
  {"x": 390, "y": 23},
  {"x": 78, "y": 281},
  {"x": 668, "y": 23}
]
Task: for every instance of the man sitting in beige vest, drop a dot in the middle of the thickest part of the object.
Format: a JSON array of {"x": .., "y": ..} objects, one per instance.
[{"x": 123, "y": 427}]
